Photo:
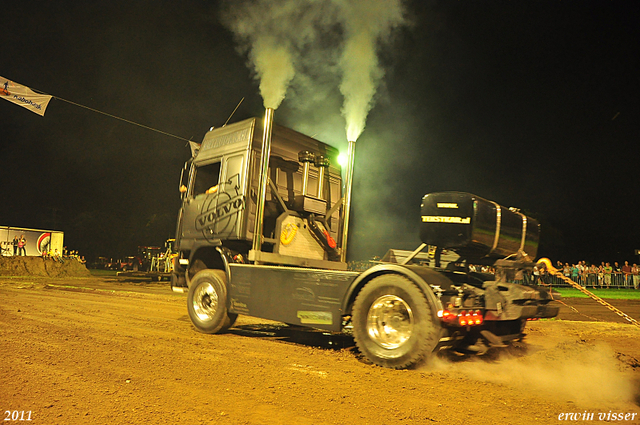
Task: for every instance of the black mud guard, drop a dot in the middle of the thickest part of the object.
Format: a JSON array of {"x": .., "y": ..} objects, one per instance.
[{"x": 423, "y": 277}]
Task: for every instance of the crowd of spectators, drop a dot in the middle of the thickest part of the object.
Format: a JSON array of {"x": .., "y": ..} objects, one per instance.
[
  {"x": 603, "y": 275},
  {"x": 65, "y": 255}
]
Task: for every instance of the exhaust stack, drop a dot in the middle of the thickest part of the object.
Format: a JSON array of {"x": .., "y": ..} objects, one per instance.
[
  {"x": 306, "y": 158},
  {"x": 347, "y": 198},
  {"x": 264, "y": 180},
  {"x": 321, "y": 163}
]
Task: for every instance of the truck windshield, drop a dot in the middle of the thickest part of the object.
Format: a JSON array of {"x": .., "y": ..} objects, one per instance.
[{"x": 207, "y": 177}]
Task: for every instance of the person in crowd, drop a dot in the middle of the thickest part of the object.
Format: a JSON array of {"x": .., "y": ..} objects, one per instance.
[
  {"x": 22, "y": 242},
  {"x": 626, "y": 271},
  {"x": 15, "y": 245},
  {"x": 584, "y": 272},
  {"x": 536, "y": 275},
  {"x": 566, "y": 270},
  {"x": 616, "y": 275},
  {"x": 575, "y": 273},
  {"x": 635, "y": 276},
  {"x": 607, "y": 270},
  {"x": 593, "y": 274},
  {"x": 57, "y": 257}
]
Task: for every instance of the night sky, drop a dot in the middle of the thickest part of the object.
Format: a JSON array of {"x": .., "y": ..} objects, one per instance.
[{"x": 530, "y": 104}]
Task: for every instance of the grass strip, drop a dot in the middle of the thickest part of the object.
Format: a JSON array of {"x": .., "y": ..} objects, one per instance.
[{"x": 612, "y": 294}]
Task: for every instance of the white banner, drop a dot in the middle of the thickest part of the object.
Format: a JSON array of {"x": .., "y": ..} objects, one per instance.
[{"x": 23, "y": 96}]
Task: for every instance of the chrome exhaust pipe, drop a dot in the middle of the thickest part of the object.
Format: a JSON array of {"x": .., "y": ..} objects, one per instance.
[
  {"x": 264, "y": 180},
  {"x": 321, "y": 164},
  {"x": 306, "y": 158},
  {"x": 351, "y": 152}
]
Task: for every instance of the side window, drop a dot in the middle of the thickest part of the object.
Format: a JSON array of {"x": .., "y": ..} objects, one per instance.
[{"x": 207, "y": 177}]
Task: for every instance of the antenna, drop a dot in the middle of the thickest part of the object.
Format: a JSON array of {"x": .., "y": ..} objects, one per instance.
[{"x": 234, "y": 111}]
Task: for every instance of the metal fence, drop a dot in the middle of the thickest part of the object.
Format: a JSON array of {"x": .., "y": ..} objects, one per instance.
[{"x": 589, "y": 280}]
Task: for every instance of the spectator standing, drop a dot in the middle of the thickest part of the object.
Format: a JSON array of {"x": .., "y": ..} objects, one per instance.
[
  {"x": 616, "y": 275},
  {"x": 593, "y": 272},
  {"x": 635, "y": 275},
  {"x": 584, "y": 273},
  {"x": 607, "y": 275},
  {"x": 601, "y": 274},
  {"x": 22, "y": 242},
  {"x": 15, "y": 245},
  {"x": 626, "y": 270},
  {"x": 575, "y": 272},
  {"x": 536, "y": 275}
]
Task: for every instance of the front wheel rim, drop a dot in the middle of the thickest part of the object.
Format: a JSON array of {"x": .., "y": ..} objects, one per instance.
[
  {"x": 205, "y": 302},
  {"x": 390, "y": 321}
]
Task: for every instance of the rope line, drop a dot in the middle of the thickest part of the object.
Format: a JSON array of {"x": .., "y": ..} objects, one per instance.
[{"x": 120, "y": 118}]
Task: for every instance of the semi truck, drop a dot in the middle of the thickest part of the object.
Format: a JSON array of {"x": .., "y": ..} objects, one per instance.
[{"x": 262, "y": 231}]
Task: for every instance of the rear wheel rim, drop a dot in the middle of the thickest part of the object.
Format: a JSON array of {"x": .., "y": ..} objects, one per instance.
[
  {"x": 390, "y": 322},
  {"x": 205, "y": 302}
]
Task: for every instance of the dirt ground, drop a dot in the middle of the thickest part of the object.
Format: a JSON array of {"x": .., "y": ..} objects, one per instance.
[{"x": 100, "y": 350}]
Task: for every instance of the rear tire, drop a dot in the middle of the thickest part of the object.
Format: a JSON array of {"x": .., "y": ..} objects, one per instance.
[
  {"x": 393, "y": 325},
  {"x": 207, "y": 302}
]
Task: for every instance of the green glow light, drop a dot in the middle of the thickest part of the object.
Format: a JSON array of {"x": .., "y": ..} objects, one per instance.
[{"x": 342, "y": 159}]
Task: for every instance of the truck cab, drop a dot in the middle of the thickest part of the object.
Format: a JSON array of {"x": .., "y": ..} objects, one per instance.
[{"x": 302, "y": 205}]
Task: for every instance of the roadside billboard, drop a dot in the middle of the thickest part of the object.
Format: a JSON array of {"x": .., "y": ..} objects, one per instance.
[{"x": 38, "y": 241}]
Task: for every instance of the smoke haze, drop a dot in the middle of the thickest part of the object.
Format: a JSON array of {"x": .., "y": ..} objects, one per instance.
[
  {"x": 293, "y": 39},
  {"x": 275, "y": 69},
  {"x": 273, "y": 35},
  {"x": 366, "y": 23}
]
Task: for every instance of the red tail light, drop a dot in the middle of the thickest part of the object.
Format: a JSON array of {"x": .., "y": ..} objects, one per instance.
[
  {"x": 470, "y": 318},
  {"x": 447, "y": 316}
]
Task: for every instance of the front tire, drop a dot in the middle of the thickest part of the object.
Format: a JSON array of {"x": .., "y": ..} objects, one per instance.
[
  {"x": 393, "y": 325},
  {"x": 207, "y": 302}
]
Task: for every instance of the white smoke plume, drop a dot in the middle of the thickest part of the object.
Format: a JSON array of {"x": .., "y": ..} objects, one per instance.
[
  {"x": 273, "y": 34},
  {"x": 279, "y": 37},
  {"x": 367, "y": 23},
  {"x": 275, "y": 70}
]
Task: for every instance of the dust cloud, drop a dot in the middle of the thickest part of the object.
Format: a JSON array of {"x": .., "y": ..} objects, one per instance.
[{"x": 589, "y": 375}]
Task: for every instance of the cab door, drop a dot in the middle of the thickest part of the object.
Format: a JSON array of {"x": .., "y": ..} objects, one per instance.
[{"x": 200, "y": 202}]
